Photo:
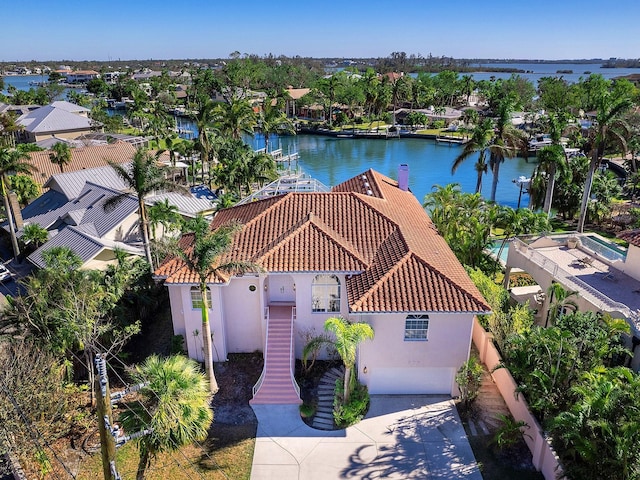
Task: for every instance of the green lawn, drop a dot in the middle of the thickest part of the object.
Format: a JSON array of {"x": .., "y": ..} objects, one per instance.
[{"x": 227, "y": 453}]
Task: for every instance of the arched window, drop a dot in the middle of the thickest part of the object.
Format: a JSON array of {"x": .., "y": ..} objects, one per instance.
[
  {"x": 196, "y": 298},
  {"x": 325, "y": 294},
  {"x": 416, "y": 328}
]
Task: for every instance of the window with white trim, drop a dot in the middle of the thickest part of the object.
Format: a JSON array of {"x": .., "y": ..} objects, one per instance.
[
  {"x": 325, "y": 294},
  {"x": 196, "y": 298},
  {"x": 416, "y": 328}
]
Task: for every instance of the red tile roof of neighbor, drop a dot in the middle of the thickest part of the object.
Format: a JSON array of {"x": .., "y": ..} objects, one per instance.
[
  {"x": 631, "y": 236},
  {"x": 376, "y": 234}
]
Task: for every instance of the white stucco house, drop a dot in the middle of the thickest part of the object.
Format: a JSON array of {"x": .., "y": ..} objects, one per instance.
[
  {"x": 605, "y": 276},
  {"x": 366, "y": 250}
]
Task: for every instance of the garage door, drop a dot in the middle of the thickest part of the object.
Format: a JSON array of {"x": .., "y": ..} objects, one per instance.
[{"x": 410, "y": 381}]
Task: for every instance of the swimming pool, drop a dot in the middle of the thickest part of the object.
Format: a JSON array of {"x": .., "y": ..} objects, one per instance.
[
  {"x": 495, "y": 248},
  {"x": 608, "y": 250}
]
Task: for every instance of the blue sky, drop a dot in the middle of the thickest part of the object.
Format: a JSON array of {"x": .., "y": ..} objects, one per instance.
[{"x": 161, "y": 29}]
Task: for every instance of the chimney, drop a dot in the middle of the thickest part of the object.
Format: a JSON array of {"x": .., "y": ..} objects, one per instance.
[
  {"x": 15, "y": 207},
  {"x": 403, "y": 177}
]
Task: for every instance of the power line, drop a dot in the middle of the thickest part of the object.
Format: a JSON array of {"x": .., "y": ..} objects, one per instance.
[
  {"x": 150, "y": 415},
  {"x": 204, "y": 450}
]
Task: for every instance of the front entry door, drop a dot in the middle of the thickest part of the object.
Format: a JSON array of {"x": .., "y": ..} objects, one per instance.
[{"x": 282, "y": 289}]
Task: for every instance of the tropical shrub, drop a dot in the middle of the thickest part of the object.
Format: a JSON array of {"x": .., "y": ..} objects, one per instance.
[
  {"x": 351, "y": 412},
  {"x": 509, "y": 432},
  {"x": 469, "y": 379}
]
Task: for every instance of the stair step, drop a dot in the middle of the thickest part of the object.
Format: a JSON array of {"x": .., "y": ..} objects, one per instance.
[
  {"x": 322, "y": 421},
  {"x": 328, "y": 415}
]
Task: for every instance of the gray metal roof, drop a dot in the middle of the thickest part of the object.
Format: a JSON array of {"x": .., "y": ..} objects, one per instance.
[
  {"x": 48, "y": 143},
  {"x": 71, "y": 184},
  {"x": 51, "y": 119},
  {"x": 83, "y": 245},
  {"x": 188, "y": 205},
  {"x": 69, "y": 107},
  {"x": 86, "y": 210}
]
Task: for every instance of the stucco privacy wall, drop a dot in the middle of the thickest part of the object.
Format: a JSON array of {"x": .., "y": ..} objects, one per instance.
[
  {"x": 397, "y": 366},
  {"x": 543, "y": 456}
]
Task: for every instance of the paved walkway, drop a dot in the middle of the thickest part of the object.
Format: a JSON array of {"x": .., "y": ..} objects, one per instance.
[{"x": 402, "y": 437}]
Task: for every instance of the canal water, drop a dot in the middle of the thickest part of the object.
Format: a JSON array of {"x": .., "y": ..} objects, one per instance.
[{"x": 334, "y": 160}]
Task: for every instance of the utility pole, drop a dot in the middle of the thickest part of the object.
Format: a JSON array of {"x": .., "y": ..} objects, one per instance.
[
  {"x": 110, "y": 435},
  {"x": 105, "y": 420}
]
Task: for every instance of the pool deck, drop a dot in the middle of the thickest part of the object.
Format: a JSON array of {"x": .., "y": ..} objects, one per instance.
[{"x": 604, "y": 283}]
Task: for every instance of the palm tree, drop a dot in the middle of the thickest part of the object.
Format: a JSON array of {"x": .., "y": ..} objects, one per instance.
[
  {"x": 12, "y": 161},
  {"x": 206, "y": 258},
  {"x": 35, "y": 234},
  {"x": 480, "y": 142},
  {"x": 142, "y": 178},
  {"x": 559, "y": 300},
  {"x": 163, "y": 213},
  {"x": 553, "y": 159},
  {"x": 272, "y": 120},
  {"x": 237, "y": 118},
  {"x": 609, "y": 125},
  {"x": 8, "y": 128},
  {"x": 261, "y": 168},
  {"x": 206, "y": 117},
  {"x": 60, "y": 155},
  {"x": 173, "y": 408},
  {"x": 348, "y": 337},
  {"x": 506, "y": 144},
  {"x": 519, "y": 222}
]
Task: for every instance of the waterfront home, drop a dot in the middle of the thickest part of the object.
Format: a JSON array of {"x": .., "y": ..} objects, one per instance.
[
  {"x": 606, "y": 276},
  {"x": 293, "y": 95},
  {"x": 367, "y": 251},
  {"x": 51, "y": 120},
  {"x": 81, "y": 76},
  {"x": 447, "y": 114}
]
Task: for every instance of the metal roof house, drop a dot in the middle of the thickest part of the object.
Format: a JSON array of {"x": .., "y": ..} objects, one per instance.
[
  {"x": 83, "y": 225},
  {"x": 47, "y": 121},
  {"x": 72, "y": 210}
]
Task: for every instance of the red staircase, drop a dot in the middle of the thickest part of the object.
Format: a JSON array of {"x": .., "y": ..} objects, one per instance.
[{"x": 277, "y": 385}]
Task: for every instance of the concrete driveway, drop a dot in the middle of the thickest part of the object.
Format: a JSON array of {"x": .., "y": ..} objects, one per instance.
[{"x": 402, "y": 437}]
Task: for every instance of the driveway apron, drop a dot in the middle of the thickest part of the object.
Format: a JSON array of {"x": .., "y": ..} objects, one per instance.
[{"x": 402, "y": 437}]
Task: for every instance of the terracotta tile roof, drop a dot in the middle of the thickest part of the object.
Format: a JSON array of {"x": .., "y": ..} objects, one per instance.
[
  {"x": 631, "y": 236},
  {"x": 81, "y": 158},
  {"x": 366, "y": 228}
]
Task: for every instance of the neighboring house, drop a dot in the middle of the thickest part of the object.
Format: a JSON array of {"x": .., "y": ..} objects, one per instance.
[
  {"x": 293, "y": 95},
  {"x": 71, "y": 108},
  {"x": 81, "y": 76},
  {"x": 447, "y": 114},
  {"x": 84, "y": 226},
  {"x": 81, "y": 159},
  {"x": 72, "y": 210},
  {"x": 367, "y": 251},
  {"x": 605, "y": 276},
  {"x": 48, "y": 121},
  {"x": 17, "y": 110}
]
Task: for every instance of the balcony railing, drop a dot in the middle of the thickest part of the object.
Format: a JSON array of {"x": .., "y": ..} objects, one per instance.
[{"x": 594, "y": 296}]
